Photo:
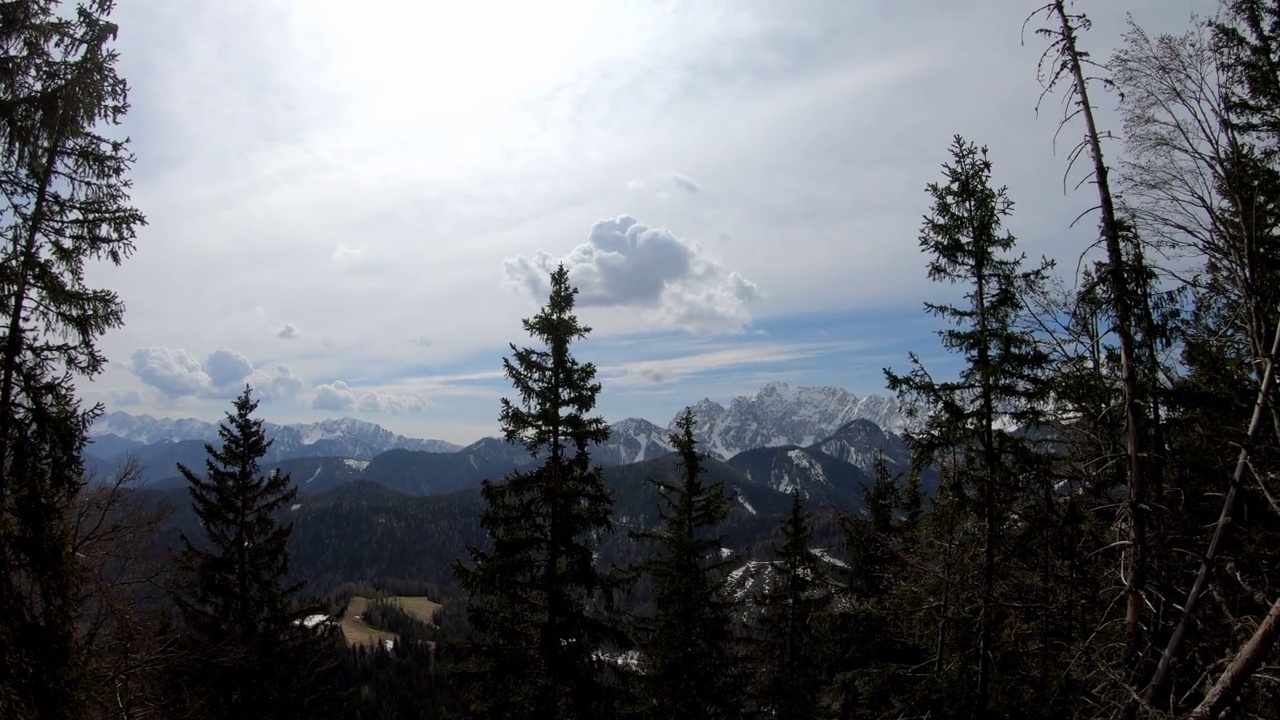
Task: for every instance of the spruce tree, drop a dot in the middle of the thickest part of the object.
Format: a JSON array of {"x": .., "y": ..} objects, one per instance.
[
  {"x": 687, "y": 647},
  {"x": 254, "y": 657},
  {"x": 790, "y": 680},
  {"x": 538, "y": 633},
  {"x": 65, "y": 189},
  {"x": 1001, "y": 385}
]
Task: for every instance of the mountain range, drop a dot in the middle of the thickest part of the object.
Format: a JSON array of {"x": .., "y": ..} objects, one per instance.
[{"x": 821, "y": 441}]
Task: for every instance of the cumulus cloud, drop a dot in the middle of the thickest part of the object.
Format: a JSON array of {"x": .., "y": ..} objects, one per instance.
[
  {"x": 288, "y": 332},
  {"x": 334, "y": 396},
  {"x": 173, "y": 372},
  {"x": 338, "y": 396},
  {"x": 627, "y": 263},
  {"x": 386, "y": 403},
  {"x": 177, "y": 373},
  {"x": 226, "y": 368},
  {"x": 281, "y": 385}
]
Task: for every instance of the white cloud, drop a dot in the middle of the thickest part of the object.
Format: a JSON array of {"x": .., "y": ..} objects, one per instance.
[
  {"x": 226, "y": 368},
  {"x": 177, "y": 373},
  {"x": 625, "y": 263},
  {"x": 681, "y": 367},
  {"x": 283, "y": 385},
  {"x": 387, "y": 403},
  {"x": 338, "y": 396},
  {"x": 173, "y": 372}
]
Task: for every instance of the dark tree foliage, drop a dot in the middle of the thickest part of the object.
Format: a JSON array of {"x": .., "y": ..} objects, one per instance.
[
  {"x": 537, "y": 631},
  {"x": 1001, "y": 385},
  {"x": 1248, "y": 38},
  {"x": 66, "y": 204},
  {"x": 687, "y": 647},
  {"x": 253, "y": 654},
  {"x": 789, "y": 661},
  {"x": 404, "y": 682},
  {"x": 870, "y": 655}
]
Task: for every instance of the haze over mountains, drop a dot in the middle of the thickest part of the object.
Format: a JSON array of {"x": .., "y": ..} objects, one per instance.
[{"x": 820, "y": 440}]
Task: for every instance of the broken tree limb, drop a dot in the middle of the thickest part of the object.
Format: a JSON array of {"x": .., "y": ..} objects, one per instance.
[
  {"x": 1241, "y": 668},
  {"x": 1171, "y": 652}
]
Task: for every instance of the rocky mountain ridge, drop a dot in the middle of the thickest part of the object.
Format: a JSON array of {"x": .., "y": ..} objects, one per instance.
[{"x": 821, "y": 441}]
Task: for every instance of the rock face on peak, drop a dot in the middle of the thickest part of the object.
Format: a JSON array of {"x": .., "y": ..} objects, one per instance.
[
  {"x": 818, "y": 477},
  {"x": 630, "y": 441},
  {"x": 859, "y": 442},
  {"x": 779, "y": 414}
]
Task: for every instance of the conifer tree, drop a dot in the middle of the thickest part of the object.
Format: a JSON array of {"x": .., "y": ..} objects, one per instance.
[
  {"x": 254, "y": 657},
  {"x": 791, "y": 680},
  {"x": 538, "y": 633},
  {"x": 65, "y": 189},
  {"x": 1001, "y": 384},
  {"x": 687, "y": 648}
]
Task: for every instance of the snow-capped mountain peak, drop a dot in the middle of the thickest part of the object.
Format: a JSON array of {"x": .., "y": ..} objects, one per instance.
[
  {"x": 632, "y": 440},
  {"x": 343, "y": 437},
  {"x": 779, "y": 414}
]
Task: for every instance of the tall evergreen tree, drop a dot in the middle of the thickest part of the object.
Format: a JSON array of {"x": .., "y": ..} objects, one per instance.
[
  {"x": 254, "y": 656},
  {"x": 538, "y": 632},
  {"x": 1001, "y": 385},
  {"x": 65, "y": 191},
  {"x": 687, "y": 648},
  {"x": 790, "y": 678}
]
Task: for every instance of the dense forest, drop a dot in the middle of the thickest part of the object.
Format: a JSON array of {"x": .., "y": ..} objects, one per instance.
[{"x": 1088, "y": 528}]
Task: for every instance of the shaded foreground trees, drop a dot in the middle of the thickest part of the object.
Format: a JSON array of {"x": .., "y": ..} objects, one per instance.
[
  {"x": 252, "y": 652},
  {"x": 1101, "y": 543},
  {"x": 538, "y": 632},
  {"x": 65, "y": 189},
  {"x": 689, "y": 653},
  {"x": 1001, "y": 385}
]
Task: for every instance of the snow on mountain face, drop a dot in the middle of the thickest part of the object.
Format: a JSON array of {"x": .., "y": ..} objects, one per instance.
[
  {"x": 346, "y": 437},
  {"x": 630, "y": 441},
  {"x": 861, "y": 441},
  {"x": 784, "y": 482},
  {"x": 146, "y": 429},
  {"x": 818, "y": 477},
  {"x": 779, "y": 414},
  {"x": 758, "y": 577}
]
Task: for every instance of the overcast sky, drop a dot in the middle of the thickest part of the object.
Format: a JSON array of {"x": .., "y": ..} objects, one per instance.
[{"x": 352, "y": 205}]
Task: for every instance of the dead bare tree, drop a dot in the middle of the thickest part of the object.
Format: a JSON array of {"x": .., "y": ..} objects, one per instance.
[
  {"x": 1065, "y": 63},
  {"x": 117, "y": 539}
]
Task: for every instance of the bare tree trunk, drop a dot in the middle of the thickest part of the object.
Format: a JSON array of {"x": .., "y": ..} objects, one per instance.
[
  {"x": 1171, "y": 652},
  {"x": 1241, "y": 668},
  {"x": 1136, "y": 567}
]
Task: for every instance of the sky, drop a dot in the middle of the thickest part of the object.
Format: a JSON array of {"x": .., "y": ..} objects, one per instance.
[{"x": 351, "y": 206}]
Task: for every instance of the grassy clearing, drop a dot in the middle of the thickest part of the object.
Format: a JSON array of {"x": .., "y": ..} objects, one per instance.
[
  {"x": 422, "y": 608},
  {"x": 356, "y": 632}
]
